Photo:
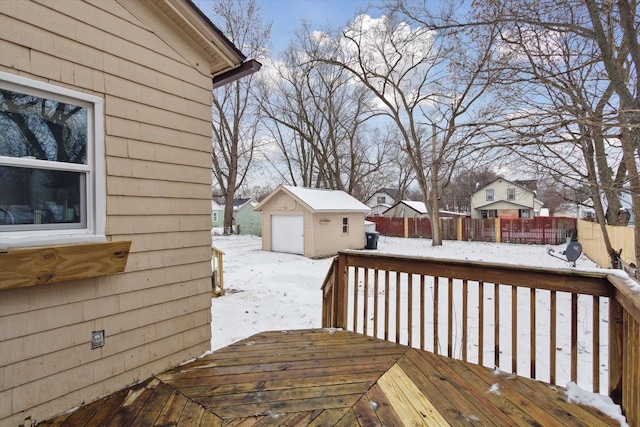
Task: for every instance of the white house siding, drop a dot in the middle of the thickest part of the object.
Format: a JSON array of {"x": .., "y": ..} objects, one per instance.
[
  {"x": 158, "y": 145},
  {"x": 524, "y": 199}
]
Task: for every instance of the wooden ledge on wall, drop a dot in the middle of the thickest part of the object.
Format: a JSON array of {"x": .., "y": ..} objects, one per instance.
[{"x": 43, "y": 265}]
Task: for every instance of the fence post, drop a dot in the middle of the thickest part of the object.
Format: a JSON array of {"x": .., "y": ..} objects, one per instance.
[
  {"x": 406, "y": 227},
  {"x": 498, "y": 230},
  {"x": 459, "y": 228}
]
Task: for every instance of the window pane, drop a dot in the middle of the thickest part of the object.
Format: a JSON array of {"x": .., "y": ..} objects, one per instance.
[
  {"x": 38, "y": 196},
  {"x": 44, "y": 129}
]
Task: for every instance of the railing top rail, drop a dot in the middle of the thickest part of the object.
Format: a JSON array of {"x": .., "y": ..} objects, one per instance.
[
  {"x": 329, "y": 275},
  {"x": 627, "y": 293},
  {"x": 567, "y": 280},
  {"x": 216, "y": 249}
]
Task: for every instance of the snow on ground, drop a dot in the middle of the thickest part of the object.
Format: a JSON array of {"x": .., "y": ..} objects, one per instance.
[{"x": 276, "y": 291}]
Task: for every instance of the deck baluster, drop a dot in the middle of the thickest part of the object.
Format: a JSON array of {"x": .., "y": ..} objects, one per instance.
[
  {"x": 532, "y": 332},
  {"x": 436, "y": 282},
  {"x": 514, "y": 329},
  {"x": 553, "y": 346},
  {"x": 596, "y": 343},
  {"x": 410, "y": 308},
  {"x": 465, "y": 315},
  {"x": 365, "y": 303},
  {"x": 496, "y": 325},
  {"x": 574, "y": 337},
  {"x": 450, "y": 319}
]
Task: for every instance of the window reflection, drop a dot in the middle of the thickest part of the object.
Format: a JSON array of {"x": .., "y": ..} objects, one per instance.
[
  {"x": 41, "y": 196},
  {"x": 44, "y": 129}
]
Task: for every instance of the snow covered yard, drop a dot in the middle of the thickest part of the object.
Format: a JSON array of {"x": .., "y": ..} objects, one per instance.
[{"x": 275, "y": 291}]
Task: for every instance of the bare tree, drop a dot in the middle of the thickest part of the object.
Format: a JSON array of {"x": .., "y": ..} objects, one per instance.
[
  {"x": 317, "y": 117},
  {"x": 235, "y": 117},
  {"x": 568, "y": 117},
  {"x": 433, "y": 104}
]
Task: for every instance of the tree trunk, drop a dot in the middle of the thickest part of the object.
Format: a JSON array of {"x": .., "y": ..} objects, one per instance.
[{"x": 228, "y": 213}]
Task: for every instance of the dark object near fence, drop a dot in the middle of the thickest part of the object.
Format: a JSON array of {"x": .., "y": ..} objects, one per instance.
[
  {"x": 372, "y": 239},
  {"x": 573, "y": 252}
]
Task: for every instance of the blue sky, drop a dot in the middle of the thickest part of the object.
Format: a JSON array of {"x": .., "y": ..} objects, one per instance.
[{"x": 287, "y": 15}]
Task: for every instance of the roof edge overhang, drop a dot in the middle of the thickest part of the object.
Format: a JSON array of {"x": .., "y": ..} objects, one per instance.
[
  {"x": 221, "y": 53},
  {"x": 246, "y": 68}
]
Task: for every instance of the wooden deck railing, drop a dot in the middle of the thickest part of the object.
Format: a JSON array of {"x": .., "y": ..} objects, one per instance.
[
  {"x": 534, "y": 322},
  {"x": 217, "y": 279}
]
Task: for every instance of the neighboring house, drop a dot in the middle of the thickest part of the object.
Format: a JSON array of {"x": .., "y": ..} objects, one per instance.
[
  {"x": 587, "y": 212},
  {"x": 382, "y": 200},
  {"x": 247, "y": 221},
  {"x": 105, "y": 142},
  {"x": 504, "y": 199},
  {"x": 311, "y": 222},
  {"x": 413, "y": 209},
  {"x": 217, "y": 214}
]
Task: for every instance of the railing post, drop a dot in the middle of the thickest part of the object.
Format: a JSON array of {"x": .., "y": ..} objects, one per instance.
[
  {"x": 498, "y": 230},
  {"x": 459, "y": 228},
  {"x": 341, "y": 296},
  {"x": 406, "y": 227},
  {"x": 615, "y": 350}
]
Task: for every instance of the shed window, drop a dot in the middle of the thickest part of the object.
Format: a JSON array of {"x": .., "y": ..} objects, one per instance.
[
  {"x": 382, "y": 199},
  {"x": 51, "y": 163},
  {"x": 511, "y": 193},
  {"x": 345, "y": 225},
  {"x": 215, "y": 217},
  {"x": 490, "y": 195}
]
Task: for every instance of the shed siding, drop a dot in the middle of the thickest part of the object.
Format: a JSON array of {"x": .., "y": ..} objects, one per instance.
[
  {"x": 320, "y": 240},
  {"x": 157, "y": 144},
  {"x": 329, "y": 238}
]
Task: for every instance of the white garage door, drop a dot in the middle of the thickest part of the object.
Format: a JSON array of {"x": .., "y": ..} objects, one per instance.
[{"x": 287, "y": 234}]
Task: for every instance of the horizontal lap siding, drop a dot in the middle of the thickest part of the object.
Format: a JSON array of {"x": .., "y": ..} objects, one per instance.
[{"x": 158, "y": 166}]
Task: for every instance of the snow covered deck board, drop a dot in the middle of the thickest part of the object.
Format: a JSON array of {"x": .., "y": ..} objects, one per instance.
[{"x": 325, "y": 377}]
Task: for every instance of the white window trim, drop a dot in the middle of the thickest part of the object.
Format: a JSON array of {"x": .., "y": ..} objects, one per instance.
[{"x": 96, "y": 188}]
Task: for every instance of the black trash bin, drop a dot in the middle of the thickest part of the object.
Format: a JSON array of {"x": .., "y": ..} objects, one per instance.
[{"x": 372, "y": 239}]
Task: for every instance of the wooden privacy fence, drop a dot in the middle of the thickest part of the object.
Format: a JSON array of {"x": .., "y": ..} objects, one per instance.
[
  {"x": 622, "y": 239},
  {"x": 539, "y": 230},
  {"x": 552, "y": 325}
]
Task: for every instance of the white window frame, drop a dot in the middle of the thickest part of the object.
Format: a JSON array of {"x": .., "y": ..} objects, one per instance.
[
  {"x": 94, "y": 170},
  {"x": 345, "y": 225},
  {"x": 215, "y": 216},
  {"x": 511, "y": 194},
  {"x": 490, "y": 198}
]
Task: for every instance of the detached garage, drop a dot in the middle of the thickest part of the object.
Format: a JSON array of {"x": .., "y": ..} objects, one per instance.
[{"x": 311, "y": 222}]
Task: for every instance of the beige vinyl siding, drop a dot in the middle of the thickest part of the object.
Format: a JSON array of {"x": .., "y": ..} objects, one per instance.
[{"x": 157, "y": 145}]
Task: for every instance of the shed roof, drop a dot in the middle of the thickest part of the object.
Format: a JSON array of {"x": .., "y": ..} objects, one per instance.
[{"x": 320, "y": 200}]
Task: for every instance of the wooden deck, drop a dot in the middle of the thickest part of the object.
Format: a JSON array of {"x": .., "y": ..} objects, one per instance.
[{"x": 332, "y": 378}]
